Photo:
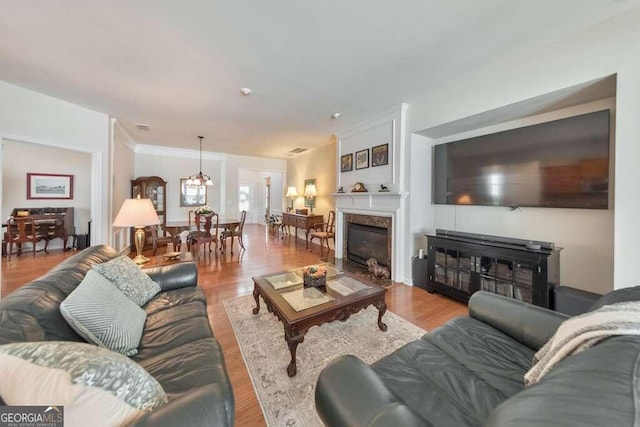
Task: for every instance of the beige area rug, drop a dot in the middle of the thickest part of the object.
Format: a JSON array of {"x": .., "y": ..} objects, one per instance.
[{"x": 290, "y": 401}]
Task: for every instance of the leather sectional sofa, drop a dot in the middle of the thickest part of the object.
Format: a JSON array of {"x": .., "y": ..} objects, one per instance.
[
  {"x": 470, "y": 372},
  {"x": 177, "y": 348}
]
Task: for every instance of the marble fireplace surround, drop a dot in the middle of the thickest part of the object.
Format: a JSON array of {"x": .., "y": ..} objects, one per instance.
[{"x": 373, "y": 221}]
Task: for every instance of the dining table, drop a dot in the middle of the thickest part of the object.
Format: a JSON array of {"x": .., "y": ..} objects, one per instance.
[{"x": 175, "y": 228}]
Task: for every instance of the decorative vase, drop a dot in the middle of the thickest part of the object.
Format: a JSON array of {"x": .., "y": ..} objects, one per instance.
[{"x": 310, "y": 281}]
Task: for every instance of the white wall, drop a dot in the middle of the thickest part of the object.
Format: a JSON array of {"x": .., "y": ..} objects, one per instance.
[
  {"x": 43, "y": 159},
  {"x": 123, "y": 172},
  {"x": 173, "y": 164},
  {"x": 256, "y": 180},
  {"x": 603, "y": 50},
  {"x": 420, "y": 207},
  {"x": 231, "y": 165},
  {"x": 385, "y": 128},
  {"x": 35, "y": 118}
]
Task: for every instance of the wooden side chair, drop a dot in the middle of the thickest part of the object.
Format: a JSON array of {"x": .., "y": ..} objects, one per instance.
[
  {"x": 24, "y": 230},
  {"x": 324, "y": 231},
  {"x": 159, "y": 240},
  {"x": 235, "y": 232},
  {"x": 206, "y": 232}
]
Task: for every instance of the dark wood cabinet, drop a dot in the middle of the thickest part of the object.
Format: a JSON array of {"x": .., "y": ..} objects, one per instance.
[
  {"x": 154, "y": 188},
  {"x": 459, "y": 264}
]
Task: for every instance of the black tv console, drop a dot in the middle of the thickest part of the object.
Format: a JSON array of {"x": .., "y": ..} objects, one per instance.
[{"x": 459, "y": 264}]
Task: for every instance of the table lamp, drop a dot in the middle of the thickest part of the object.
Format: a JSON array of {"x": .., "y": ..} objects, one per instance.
[
  {"x": 137, "y": 213},
  {"x": 293, "y": 193},
  {"x": 310, "y": 193}
]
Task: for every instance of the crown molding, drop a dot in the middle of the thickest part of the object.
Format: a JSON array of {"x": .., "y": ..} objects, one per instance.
[
  {"x": 129, "y": 141},
  {"x": 157, "y": 150}
]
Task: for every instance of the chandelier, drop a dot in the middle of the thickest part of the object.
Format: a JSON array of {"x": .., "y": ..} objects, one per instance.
[{"x": 199, "y": 178}]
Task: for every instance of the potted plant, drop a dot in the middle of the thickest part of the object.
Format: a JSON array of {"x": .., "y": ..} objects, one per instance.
[
  {"x": 314, "y": 276},
  {"x": 204, "y": 210}
]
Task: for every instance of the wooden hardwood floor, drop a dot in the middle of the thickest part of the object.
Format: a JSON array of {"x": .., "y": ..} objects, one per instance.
[{"x": 228, "y": 276}]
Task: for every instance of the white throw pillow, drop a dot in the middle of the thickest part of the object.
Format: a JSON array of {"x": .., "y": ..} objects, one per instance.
[
  {"x": 96, "y": 386},
  {"x": 101, "y": 314},
  {"x": 129, "y": 278}
]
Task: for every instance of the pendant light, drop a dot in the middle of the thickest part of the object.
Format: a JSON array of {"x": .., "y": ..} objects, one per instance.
[{"x": 199, "y": 178}]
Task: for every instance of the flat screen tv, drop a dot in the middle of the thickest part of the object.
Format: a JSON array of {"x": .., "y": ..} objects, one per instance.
[{"x": 559, "y": 164}]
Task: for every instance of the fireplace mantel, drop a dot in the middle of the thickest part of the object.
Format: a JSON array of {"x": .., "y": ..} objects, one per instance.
[
  {"x": 391, "y": 204},
  {"x": 386, "y": 202}
]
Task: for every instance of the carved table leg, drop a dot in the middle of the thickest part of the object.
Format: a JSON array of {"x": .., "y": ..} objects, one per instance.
[
  {"x": 382, "y": 308},
  {"x": 256, "y": 296},
  {"x": 292, "y": 342}
]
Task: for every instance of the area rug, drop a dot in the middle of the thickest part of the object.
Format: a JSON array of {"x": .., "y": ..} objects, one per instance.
[{"x": 290, "y": 401}]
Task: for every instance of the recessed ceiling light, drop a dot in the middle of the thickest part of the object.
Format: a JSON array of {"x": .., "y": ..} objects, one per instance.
[
  {"x": 336, "y": 115},
  {"x": 245, "y": 91},
  {"x": 142, "y": 126}
]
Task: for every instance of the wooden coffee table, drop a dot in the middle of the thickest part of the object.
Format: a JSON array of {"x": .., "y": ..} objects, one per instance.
[{"x": 297, "y": 323}]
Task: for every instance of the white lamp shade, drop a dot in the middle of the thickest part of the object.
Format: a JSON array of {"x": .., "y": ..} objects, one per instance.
[
  {"x": 310, "y": 191},
  {"x": 292, "y": 192},
  {"x": 136, "y": 212}
]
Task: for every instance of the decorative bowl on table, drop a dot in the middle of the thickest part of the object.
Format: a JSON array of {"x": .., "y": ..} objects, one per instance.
[
  {"x": 314, "y": 276},
  {"x": 171, "y": 255}
]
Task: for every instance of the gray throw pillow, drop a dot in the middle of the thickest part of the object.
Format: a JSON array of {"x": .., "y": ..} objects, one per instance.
[
  {"x": 129, "y": 278},
  {"x": 101, "y": 314},
  {"x": 95, "y": 386}
]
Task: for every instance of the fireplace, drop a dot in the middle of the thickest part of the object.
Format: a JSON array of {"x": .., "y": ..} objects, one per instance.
[
  {"x": 365, "y": 241},
  {"x": 367, "y": 236}
]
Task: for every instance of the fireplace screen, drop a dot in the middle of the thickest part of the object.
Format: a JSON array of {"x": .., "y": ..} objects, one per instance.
[{"x": 364, "y": 242}]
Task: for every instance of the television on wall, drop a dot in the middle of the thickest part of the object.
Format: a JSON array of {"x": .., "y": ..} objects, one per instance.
[{"x": 559, "y": 164}]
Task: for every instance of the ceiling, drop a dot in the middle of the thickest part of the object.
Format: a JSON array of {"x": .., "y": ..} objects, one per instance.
[{"x": 178, "y": 66}]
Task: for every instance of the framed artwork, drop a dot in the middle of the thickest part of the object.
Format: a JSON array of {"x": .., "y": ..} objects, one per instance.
[
  {"x": 49, "y": 186},
  {"x": 362, "y": 159},
  {"x": 380, "y": 155},
  {"x": 346, "y": 163},
  {"x": 192, "y": 195}
]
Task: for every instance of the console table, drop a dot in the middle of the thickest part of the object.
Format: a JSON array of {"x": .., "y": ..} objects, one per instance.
[
  {"x": 301, "y": 221},
  {"x": 459, "y": 264}
]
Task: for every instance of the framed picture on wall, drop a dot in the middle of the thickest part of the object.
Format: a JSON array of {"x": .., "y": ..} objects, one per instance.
[
  {"x": 380, "y": 155},
  {"x": 346, "y": 163},
  {"x": 362, "y": 159},
  {"x": 49, "y": 186},
  {"x": 192, "y": 195}
]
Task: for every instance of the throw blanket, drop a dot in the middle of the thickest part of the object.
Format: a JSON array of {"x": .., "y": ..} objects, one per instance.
[{"x": 581, "y": 332}]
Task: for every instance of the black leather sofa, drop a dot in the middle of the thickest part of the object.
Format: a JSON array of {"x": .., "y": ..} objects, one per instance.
[
  {"x": 178, "y": 347},
  {"x": 470, "y": 372}
]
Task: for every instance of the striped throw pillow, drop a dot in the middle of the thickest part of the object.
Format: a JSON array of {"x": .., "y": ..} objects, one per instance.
[{"x": 101, "y": 314}]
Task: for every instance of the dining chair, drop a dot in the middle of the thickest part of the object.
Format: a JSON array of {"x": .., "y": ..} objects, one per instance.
[
  {"x": 206, "y": 232},
  {"x": 159, "y": 240},
  {"x": 324, "y": 231},
  {"x": 24, "y": 230},
  {"x": 234, "y": 232}
]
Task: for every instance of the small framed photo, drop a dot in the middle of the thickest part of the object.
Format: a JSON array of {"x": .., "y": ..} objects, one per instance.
[
  {"x": 346, "y": 163},
  {"x": 362, "y": 159},
  {"x": 192, "y": 195},
  {"x": 380, "y": 155},
  {"x": 49, "y": 186}
]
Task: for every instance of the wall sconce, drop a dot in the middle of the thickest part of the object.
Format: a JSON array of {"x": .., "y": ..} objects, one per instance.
[
  {"x": 292, "y": 192},
  {"x": 310, "y": 193}
]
